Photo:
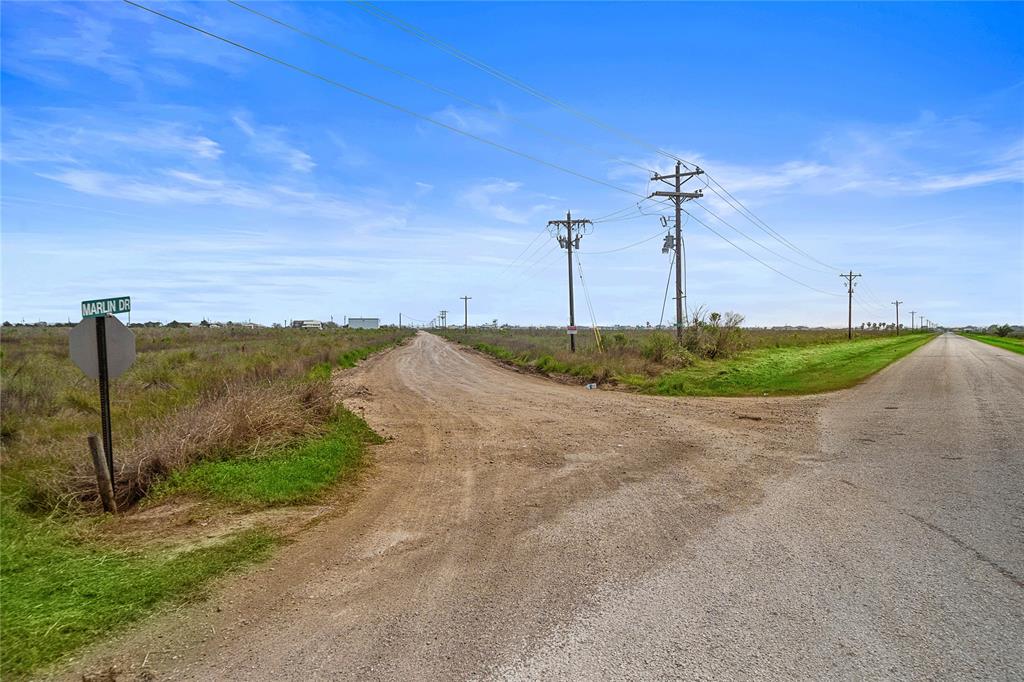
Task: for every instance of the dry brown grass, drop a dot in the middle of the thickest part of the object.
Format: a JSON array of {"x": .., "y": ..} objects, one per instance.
[
  {"x": 192, "y": 394},
  {"x": 254, "y": 419}
]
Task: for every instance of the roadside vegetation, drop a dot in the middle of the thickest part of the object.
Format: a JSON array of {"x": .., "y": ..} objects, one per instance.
[
  {"x": 717, "y": 357},
  {"x": 237, "y": 417},
  {"x": 1001, "y": 336}
]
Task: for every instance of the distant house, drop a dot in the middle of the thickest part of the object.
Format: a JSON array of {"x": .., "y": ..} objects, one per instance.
[
  {"x": 364, "y": 323},
  {"x": 307, "y": 324}
]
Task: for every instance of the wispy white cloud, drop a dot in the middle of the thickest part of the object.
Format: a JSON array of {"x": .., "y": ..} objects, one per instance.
[
  {"x": 83, "y": 38},
  {"x": 493, "y": 199},
  {"x": 927, "y": 156},
  {"x": 270, "y": 141},
  {"x": 475, "y": 121},
  {"x": 77, "y": 137},
  {"x": 182, "y": 187}
]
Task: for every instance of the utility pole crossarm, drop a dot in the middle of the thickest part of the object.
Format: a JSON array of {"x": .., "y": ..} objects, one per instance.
[
  {"x": 850, "y": 277},
  {"x": 677, "y": 197},
  {"x": 569, "y": 242},
  {"x": 683, "y": 195},
  {"x": 677, "y": 174}
]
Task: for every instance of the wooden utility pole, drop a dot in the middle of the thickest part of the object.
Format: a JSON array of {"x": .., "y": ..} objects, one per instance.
[
  {"x": 678, "y": 197},
  {"x": 465, "y": 319},
  {"x": 849, "y": 290},
  {"x": 573, "y": 235},
  {"x": 897, "y": 304},
  {"x": 912, "y": 319}
]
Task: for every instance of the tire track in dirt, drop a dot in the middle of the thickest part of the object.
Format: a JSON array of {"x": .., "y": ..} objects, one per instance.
[{"x": 499, "y": 504}]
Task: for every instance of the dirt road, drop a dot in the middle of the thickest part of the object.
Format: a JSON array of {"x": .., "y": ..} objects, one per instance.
[{"x": 518, "y": 528}]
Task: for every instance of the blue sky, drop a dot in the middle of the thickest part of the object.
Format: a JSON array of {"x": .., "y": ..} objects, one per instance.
[{"x": 141, "y": 158}]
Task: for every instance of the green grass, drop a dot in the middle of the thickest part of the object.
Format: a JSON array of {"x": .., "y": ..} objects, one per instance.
[
  {"x": 1006, "y": 342},
  {"x": 290, "y": 475},
  {"x": 63, "y": 582},
  {"x": 350, "y": 358},
  {"x": 786, "y": 371},
  {"x": 60, "y": 594}
]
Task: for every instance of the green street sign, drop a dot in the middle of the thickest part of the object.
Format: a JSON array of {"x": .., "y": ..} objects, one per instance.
[{"x": 102, "y": 307}]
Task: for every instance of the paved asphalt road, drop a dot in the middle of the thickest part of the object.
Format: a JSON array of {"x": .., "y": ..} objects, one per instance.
[
  {"x": 517, "y": 528},
  {"x": 899, "y": 555}
]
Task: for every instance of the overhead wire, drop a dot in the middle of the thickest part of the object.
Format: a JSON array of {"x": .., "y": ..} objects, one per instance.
[
  {"x": 590, "y": 305},
  {"x": 664, "y": 301},
  {"x": 545, "y": 257},
  {"x": 436, "y": 88},
  {"x": 748, "y": 237},
  {"x": 528, "y": 246},
  {"x": 381, "y": 101},
  {"x": 627, "y": 246},
  {"x": 440, "y": 124},
  {"x": 741, "y": 208},
  {"x": 422, "y": 35},
  {"x": 381, "y": 14},
  {"x": 770, "y": 267}
]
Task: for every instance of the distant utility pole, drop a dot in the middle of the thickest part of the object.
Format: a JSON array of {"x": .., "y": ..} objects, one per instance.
[
  {"x": 465, "y": 306},
  {"x": 399, "y": 320},
  {"x": 573, "y": 235},
  {"x": 897, "y": 304},
  {"x": 912, "y": 319},
  {"x": 678, "y": 197},
  {"x": 849, "y": 290},
  {"x": 444, "y": 319}
]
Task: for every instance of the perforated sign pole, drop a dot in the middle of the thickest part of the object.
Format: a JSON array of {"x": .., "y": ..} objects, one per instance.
[{"x": 101, "y": 352}]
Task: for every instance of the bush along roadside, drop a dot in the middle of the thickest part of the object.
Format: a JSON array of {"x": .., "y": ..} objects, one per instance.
[
  {"x": 251, "y": 444},
  {"x": 709, "y": 364},
  {"x": 1006, "y": 342}
]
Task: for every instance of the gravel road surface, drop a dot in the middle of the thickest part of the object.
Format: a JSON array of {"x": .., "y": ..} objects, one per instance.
[{"x": 516, "y": 528}]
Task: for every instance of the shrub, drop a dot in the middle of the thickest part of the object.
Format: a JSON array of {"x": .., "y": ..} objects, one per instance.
[
  {"x": 710, "y": 336},
  {"x": 657, "y": 346}
]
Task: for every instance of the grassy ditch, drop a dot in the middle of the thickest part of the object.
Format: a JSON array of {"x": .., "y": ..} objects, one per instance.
[
  {"x": 1006, "y": 342},
  {"x": 60, "y": 593},
  {"x": 751, "y": 362},
  {"x": 787, "y": 371},
  {"x": 293, "y": 474},
  {"x": 243, "y": 418}
]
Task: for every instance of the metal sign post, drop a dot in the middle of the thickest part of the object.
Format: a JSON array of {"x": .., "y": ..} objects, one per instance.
[
  {"x": 101, "y": 361},
  {"x": 103, "y": 348}
]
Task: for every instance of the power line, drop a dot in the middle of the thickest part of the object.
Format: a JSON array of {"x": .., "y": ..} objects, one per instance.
[
  {"x": 375, "y": 11},
  {"x": 544, "y": 258},
  {"x": 625, "y": 210},
  {"x": 436, "y": 88},
  {"x": 516, "y": 259},
  {"x": 440, "y": 124},
  {"x": 381, "y": 101},
  {"x": 773, "y": 269},
  {"x": 758, "y": 222},
  {"x": 405, "y": 26},
  {"x": 664, "y": 301},
  {"x": 769, "y": 250},
  {"x": 590, "y": 304},
  {"x": 627, "y": 246}
]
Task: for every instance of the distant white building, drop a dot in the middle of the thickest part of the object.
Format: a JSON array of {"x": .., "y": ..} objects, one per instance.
[
  {"x": 364, "y": 323},
  {"x": 308, "y": 324}
]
